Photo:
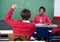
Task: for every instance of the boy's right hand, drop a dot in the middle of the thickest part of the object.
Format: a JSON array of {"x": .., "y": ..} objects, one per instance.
[{"x": 14, "y": 6}]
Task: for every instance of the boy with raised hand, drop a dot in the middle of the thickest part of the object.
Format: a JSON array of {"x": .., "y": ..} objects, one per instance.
[{"x": 24, "y": 27}]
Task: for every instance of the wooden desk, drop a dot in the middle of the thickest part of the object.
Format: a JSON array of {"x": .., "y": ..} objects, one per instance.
[{"x": 43, "y": 25}]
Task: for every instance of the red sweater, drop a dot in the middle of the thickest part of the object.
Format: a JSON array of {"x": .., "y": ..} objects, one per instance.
[
  {"x": 56, "y": 30},
  {"x": 19, "y": 27}
]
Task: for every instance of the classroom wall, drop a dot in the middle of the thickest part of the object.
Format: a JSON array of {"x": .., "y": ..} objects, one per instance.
[
  {"x": 32, "y": 5},
  {"x": 57, "y": 10}
]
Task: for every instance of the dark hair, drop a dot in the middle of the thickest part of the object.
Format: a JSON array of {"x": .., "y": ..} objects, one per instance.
[
  {"x": 25, "y": 14},
  {"x": 42, "y": 8}
]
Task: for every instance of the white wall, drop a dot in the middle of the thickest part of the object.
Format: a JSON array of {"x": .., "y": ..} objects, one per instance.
[{"x": 57, "y": 8}]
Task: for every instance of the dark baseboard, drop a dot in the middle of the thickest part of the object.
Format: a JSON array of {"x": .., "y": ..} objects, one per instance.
[{"x": 4, "y": 25}]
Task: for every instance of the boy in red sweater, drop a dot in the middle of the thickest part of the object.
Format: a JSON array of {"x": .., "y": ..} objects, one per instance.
[
  {"x": 24, "y": 27},
  {"x": 56, "y": 30}
]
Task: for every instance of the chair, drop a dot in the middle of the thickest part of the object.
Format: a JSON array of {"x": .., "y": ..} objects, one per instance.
[
  {"x": 54, "y": 38},
  {"x": 12, "y": 37}
]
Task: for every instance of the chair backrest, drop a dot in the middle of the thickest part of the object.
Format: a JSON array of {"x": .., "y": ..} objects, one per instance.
[
  {"x": 17, "y": 37},
  {"x": 55, "y": 37},
  {"x": 11, "y": 37},
  {"x": 0, "y": 35}
]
